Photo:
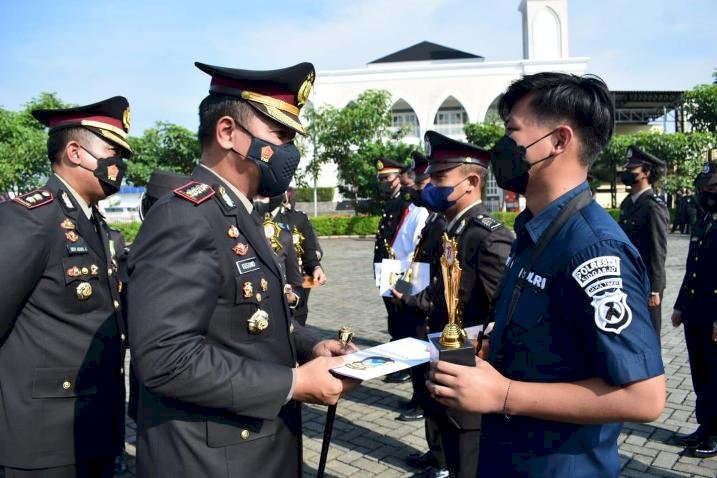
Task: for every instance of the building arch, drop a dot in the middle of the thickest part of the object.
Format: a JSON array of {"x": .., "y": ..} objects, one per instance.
[
  {"x": 449, "y": 116},
  {"x": 403, "y": 114}
]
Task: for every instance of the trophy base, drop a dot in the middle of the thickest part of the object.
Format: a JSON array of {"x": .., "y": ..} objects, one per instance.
[{"x": 463, "y": 355}]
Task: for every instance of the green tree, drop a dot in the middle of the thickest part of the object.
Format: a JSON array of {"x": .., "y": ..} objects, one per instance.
[
  {"x": 166, "y": 146},
  {"x": 484, "y": 135},
  {"x": 354, "y": 138},
  {"x": 23, "y": 146},
  {"x": 700, "y": 104}
]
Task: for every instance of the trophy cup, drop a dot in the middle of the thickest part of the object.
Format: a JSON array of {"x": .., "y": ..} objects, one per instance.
[{"x": 452, "y": 345}]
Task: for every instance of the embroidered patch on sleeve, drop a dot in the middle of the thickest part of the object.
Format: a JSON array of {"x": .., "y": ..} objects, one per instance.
[{"x": 600, "y": 278}]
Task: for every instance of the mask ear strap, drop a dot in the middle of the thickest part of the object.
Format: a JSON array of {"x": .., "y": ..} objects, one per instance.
[{"x": 541, "y": 138}]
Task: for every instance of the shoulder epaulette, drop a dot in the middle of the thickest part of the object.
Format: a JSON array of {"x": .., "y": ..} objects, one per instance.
[
  {"x": 658, "y": 200},
  {"x": 195, "y": 192},
  {"x": 488, "y": 222},
  {"x": 36, "y": 198}
]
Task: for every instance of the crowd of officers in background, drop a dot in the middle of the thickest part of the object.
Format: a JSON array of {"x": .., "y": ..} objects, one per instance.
[{"x": 212, "y": 296}]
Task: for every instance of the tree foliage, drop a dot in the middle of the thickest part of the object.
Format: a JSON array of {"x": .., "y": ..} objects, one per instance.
[
  {"x": 484, "y": 135},
  {"x": 166, "y": 146},
  {"x": 700, "y": 104},
  {"x": 354, "y": 138},
  {"x": 684, "y": 153},
  {"x": 23, "y": 146}
]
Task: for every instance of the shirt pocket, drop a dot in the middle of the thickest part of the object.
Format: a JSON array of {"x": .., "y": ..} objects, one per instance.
[
  {"x": 252, "y": 318},
  {"x": 83, "y": 291},
  {"x": 530, "y": 309}
]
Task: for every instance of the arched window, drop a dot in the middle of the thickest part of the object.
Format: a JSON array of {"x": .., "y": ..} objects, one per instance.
[
  {"x": 403, "y": 116},
  {"x": 450, "y": 118}
]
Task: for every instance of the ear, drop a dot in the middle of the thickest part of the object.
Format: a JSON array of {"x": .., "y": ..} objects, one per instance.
[
  {"x": 223, "y": 131},
  {"x": 564, "y": 135},
  {"x": 72, "y": 151},
  {"x": 474, "y": 180}
]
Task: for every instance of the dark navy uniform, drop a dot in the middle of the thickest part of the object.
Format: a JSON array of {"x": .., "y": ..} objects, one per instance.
[
  {"x": 307, "y": 248},
  {"x": 212, "y": 340},
  {"x": 61, "y": 335},
  {"x": 697, "y": 300},
  {"x": 582, "y": 313}
]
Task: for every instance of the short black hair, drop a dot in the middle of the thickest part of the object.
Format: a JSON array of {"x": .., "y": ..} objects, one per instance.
[
  {"x": 655, "y": 172},
  {"x": 58, "y": 138},
  {"x": 214, "y": 107},
  {"x": 582, "y": 101}
]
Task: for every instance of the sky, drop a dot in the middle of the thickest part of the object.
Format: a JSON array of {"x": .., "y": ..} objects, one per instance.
[{"x": 87, "y": 51}]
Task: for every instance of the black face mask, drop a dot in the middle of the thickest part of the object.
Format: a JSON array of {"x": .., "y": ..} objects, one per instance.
[
  {"x": 110, "y": 171},
  {"x": 277, "y": 164},
  {"x": 509, "y": 166},
  {"x": 413, "y": 195},
  {"x": 628, "y": 178},
  {"x": 264, "y": 208},
  {"x": 386, "y": 189},
  {"x": 707, "y": 201}
]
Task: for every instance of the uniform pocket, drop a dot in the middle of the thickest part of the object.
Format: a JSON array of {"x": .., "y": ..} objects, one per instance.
[
  {"x": 231, "y": 431},
  {"x": 251, "y": 317},
  {"x": 530, "y": 308}
]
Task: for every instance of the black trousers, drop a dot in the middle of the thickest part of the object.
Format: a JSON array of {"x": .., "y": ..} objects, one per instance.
[
  {"x": 398, "y": 328},
  {"x": 97, "y": 468},
  {"x": 703, "y": 365},
  {"x": 460, "y": 447},
  {"x": 656, "y": 319}
]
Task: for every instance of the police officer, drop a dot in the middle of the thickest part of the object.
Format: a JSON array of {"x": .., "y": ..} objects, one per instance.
[
  {"x": 306, "y": 246},
  {"x": 61, "y": 333},
  {"x": 573, "y": 352},
  {"x": 394, "y": 211},
  {"x": 644, "y": 218},
  {"x": 694, "y": 308},
  {"x": 213, "y": 344},
  {"x": 458, "y": 173}
]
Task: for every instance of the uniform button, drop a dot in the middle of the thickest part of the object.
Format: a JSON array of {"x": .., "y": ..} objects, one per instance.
[
  {"x": 109, "y": 272},
  {"x": 692, "y": 291},
  {"x": 291, "y": 328},
  {"x": 697, "y": 259},
  {"x": 258, "y": 297},
  {"x": 116, "y": 304},
  {"x": 694, "y": 274},
  {"x": 66, "y": 384},
  {"x": 121, "y": 371},
  {"x": 122, "y": 337},
  {"x": 245, "y": 434}
]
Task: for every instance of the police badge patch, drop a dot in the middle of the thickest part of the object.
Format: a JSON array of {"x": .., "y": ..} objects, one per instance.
[{"x": 600, "y": 278}]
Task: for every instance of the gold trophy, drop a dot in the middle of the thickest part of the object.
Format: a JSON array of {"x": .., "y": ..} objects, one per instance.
[{"x": 451, "y": 345}]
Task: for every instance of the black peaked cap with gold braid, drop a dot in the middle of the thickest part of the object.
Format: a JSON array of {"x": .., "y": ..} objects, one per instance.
[
  {"x": 279, "y": 94},
  {"x": 108, "y": 118}
]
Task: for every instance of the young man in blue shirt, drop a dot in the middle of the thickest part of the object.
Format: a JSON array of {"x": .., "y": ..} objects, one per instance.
[{"x": 573, "y": 353}]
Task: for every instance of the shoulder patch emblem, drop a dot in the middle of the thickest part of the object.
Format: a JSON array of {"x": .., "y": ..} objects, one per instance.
[
  {"x": 488, "y": 222},
  {"x": 195, "y": 192},
  {"x": 36, "y": 198},
  {"x": 600, "y": 279},
  {"x": 658, "y": 200}
]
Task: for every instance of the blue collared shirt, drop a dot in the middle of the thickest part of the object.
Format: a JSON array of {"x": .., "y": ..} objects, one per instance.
[{"x": 581, "y": 314}]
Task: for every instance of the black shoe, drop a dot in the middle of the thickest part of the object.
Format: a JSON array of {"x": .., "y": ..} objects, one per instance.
[
  {"x": 398, "y": 377},
  {"x": 411, "y": 415},
  {"x": 406, "y": 404},
  {"x": 438, "y": 473},
  {"x": 706, "y": 449},
  {"x": 693, "y": 439},
  {"x": 421, "y": 460}
]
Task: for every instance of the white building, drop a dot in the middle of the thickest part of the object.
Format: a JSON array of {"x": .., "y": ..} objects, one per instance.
[{"x": 440, "y": 88}]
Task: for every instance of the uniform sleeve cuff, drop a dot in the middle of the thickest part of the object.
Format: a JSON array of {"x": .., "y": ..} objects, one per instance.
[{"x": 293, "y": 383}]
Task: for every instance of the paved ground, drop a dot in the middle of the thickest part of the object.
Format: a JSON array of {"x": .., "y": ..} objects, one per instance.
[{"x": 368, "y": 441}]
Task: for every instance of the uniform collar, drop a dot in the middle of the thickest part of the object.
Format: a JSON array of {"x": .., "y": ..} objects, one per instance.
[
  {"x": 637, "y": 195},
  {"x": 462, "y": 213},
  {"x": 536, "y": 225},
  {"x": 242, "y": 197},
  {"x": 86, "y": 208}
]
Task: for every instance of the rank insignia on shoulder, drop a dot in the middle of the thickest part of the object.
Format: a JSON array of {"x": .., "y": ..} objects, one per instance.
[
  {"x": 36, "y": 198},
  {"x": 195, "y": 192},
  {"x": 67, "y": 224},
  {"x": 488, "y": 222},
  {"x": 658, "y": 200}
]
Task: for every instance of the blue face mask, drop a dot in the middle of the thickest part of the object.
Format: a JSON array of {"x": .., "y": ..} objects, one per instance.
[{"x": 436, "y": 197}]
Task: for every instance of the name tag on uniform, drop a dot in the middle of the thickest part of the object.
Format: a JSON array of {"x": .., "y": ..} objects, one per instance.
[
  {"x": 79, "y": 248},
  {"x": 247, "y": 265}
]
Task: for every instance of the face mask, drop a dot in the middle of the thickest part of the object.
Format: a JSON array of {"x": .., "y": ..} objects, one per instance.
[
  {"x": 413, "y": 195},
  {"x": 707, "y": 201},
  {"x": 266, "y": 207},
  {"x": 386, "y": 189},
  {"x": 627, "y": 178},
  {"x": 276, "y": 163},
  {"x": 110, "y": 171},
  {"x": 509, "y": 166},
  {"x": 436, "y": 197}
]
